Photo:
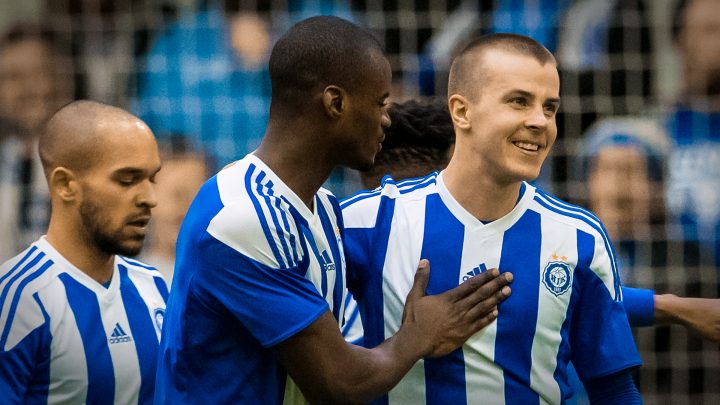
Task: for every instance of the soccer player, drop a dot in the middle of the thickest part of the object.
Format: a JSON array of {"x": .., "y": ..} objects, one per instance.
[
  {"x": 80, "y": 323},
  {"x": 480, "y": 213},
  {"x": 420, "y": 140},
  {"x": 259, "y": 281}
]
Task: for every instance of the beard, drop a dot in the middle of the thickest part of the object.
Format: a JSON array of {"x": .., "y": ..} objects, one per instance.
[{"x": 99, "y": 232}]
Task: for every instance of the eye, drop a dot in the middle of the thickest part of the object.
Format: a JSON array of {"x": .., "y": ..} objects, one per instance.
[
  {"x": 520, "y": 101},
  {"x": 550, "y": 109}
]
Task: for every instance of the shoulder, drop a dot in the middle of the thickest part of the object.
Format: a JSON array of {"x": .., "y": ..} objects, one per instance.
[
  {"x": 361, "y": 210},
  {"x": 22, "y": 278},
  {"x": 136, "y": 267},
  {"x": 253, "y": 217},
  {"x": 557, "y": 211}
]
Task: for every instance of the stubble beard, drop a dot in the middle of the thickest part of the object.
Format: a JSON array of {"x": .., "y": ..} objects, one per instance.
[{"x": 109, "y": 242}]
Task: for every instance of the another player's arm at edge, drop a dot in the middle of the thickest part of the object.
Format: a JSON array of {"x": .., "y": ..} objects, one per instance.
[{"x": 329, "y": 370}]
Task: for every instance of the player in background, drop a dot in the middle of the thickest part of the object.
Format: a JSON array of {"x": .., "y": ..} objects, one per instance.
[
  {"x": 80, "y": 323},
  {"x": 420, "y": 140},
  {"x": 257, "y": 297},
  {"x": 480, "y": 213}
]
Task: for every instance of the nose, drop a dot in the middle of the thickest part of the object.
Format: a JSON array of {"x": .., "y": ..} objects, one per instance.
[
  {"x": 147, "y": 196},
  {"x": 537, "y": 119}
]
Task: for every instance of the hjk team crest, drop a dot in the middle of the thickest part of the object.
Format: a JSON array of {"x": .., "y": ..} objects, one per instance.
[{"x": 557, "y": 277}]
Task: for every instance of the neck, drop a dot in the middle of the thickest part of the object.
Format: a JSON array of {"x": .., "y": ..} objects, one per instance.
[
  {"x": 483, "y": 197},
  {"x": 299, "y": 162},
  {"x": 74, "y": 245}
]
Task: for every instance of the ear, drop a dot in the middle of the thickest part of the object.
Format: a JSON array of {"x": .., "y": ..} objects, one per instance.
[
  {"x": 63, "y": 183},
  {"x": 333, "y": 98},
  {"x": 459, "y": 111}
]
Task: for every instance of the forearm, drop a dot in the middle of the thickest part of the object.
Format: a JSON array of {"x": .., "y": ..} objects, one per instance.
[
  {"x": 666, "y": 309},
  {"x": 329, "y": 370}
]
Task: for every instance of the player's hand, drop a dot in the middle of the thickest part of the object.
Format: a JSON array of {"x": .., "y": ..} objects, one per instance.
[
  {"x": 447, "y": 320},
  {"x": 700, "y": 315}
]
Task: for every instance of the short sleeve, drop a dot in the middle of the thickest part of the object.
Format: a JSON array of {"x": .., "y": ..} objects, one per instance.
[
  {"x": 600, "y": 336},
  {"x": 273, "y": 304}
]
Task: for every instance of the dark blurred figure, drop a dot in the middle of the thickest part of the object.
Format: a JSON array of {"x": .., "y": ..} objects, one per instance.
[{"x": 35, "y": 80}]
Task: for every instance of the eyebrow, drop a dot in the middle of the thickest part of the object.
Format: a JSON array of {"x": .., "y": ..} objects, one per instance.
[{"x": 518, "y": 92}]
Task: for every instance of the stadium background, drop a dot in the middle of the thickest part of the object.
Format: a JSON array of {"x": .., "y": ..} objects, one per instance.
[{"x": 635, "y": 71}]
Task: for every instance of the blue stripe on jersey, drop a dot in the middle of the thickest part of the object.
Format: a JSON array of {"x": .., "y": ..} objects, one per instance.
[
  {"x": 427, "y": 182},
  {"x": 286, "y": 225},
  {"x": 320, "y": 259},
  {"x": 41, "y": 371},
  {"x": 515, "y": 334},
  {"x": 442, "y": 246},
  {"x": 143, "y": 333},
  {"x": 362, "y": 195},
  {"x": 137, "y": 263},
  {"x": 161, "y": 286},
  {"x": 300, "y": 221},
  {"x": 585, "y": 216},
  {"x": 335, "y": 251},
  {"x": 273, "y": 214},
  {"x": 20, "y": 263},
  {"x": 261, "y": 215},
  {"x": 23, "y": 270},
  {"x": 85, "y": 307},
  {"x": 16, "y": 298}
]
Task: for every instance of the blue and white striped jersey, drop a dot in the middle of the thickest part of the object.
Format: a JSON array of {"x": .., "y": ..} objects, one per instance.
[
  {"x": 254, "y": 267},
  {"x": 66, "y": 339},
  {"x": 565, "y": 303}
]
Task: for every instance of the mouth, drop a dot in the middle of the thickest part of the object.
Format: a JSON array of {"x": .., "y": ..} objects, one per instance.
[
  {"x": 527, "y": 146},
  {"x": 140, "y": 222}
]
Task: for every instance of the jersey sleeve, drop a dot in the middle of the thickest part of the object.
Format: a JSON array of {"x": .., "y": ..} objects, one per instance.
[
  {"x": 256, "y": 270},
  {"x": 600, "y": 335},
  {"x": 25, "y": 364},
  {"x": 639, "y": 305}
]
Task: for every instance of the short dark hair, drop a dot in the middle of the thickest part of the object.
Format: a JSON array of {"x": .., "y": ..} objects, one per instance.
[
  {"x": 417, "y": 142},
  {"x": 315, "y": 53},
  {"x": 462, "y": 63}
]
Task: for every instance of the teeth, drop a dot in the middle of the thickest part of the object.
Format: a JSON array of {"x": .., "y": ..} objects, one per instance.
[{"x": 527, "y": 146}]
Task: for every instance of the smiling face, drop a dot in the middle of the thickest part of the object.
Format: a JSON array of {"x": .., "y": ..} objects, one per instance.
[
  {"x": 510, "y": 115},
  {"x": 118, "y": 190}
]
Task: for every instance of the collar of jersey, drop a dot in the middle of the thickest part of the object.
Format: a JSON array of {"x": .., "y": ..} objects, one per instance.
[
  {"x": 472, "y": 223},
  {"x": 65, "y": 266}
]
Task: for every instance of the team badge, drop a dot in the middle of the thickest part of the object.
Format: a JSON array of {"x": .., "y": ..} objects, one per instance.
[
  {"x": 159, "y": 315},
  {"x": 557, "y": 277}
]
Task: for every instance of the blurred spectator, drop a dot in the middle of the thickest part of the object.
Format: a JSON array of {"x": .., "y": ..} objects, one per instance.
[
  {"x": 35, "y": 80},
  {"x": 693, "y": 186},
  {"x": 206, "y": 75},
  {"x": 183, "y": 172}
]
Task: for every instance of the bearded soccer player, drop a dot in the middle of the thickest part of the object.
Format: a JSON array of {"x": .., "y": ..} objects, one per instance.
[
  {"x": 481, "y": 213},
  {"x": 79, "y": 322}
]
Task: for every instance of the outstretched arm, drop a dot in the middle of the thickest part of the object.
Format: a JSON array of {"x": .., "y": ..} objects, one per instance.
[
  {"x": 329, "y": 370},
  {"x": 700, "y": 315}
]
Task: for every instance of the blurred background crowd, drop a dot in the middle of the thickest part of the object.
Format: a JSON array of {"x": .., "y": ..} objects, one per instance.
[{"x": 638, "y": 129}]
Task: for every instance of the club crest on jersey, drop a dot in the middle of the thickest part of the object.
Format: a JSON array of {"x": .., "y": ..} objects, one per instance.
[{"x": 557, "y": 277}]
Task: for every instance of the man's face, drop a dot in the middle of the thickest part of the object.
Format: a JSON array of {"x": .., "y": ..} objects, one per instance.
[
  {"x": 367, "y": 116},
  {"x": 30, "y": 88},
  {"x": 700, "y": 46},
  {"x": 177, "y": 185},
  {"x": 118, "y": 191},
  {"x": 512, "y": 116},
  {"x": 620, "y": 191}
]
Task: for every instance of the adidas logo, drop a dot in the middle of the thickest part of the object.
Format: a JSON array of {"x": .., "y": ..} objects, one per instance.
[
  {"x": 474, "y": 272},
  {"x": 118, "y": 335}
]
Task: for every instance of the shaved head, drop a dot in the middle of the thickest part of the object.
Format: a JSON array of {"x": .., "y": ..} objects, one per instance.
[
  {"x": 467, "y": 71},
  {"x": 75, "y": 133}
]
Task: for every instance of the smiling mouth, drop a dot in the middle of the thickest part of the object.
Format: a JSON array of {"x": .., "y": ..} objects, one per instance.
[{"x": 530, "y": 147}]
